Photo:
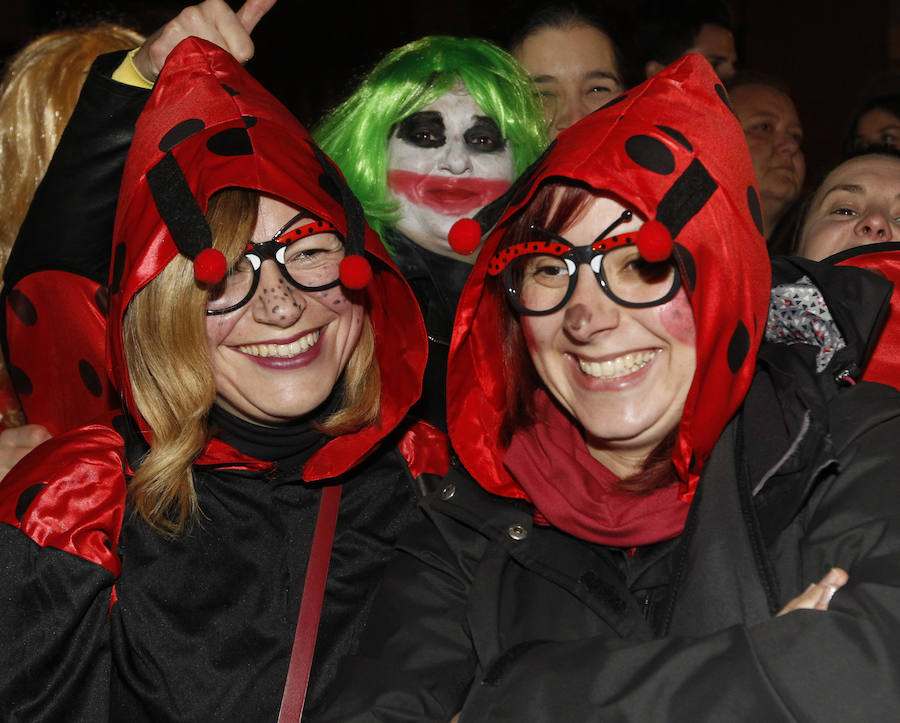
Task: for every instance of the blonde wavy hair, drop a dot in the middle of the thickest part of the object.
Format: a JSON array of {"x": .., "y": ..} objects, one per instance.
[
  {"x": 172, "y": 376},
  {"x": 38, "y": 93}
]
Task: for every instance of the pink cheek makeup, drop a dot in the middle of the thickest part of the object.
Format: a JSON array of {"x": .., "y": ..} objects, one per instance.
[{"x": 677, "y": 319}]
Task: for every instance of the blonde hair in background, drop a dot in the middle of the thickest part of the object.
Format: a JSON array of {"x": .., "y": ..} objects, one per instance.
[
  {"x": 172, "y": 377},
  {"x": 38, "y": 92}
]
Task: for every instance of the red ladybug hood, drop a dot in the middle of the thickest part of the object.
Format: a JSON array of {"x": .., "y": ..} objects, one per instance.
[
  {"x": 673, "y": 149},
  {"x": 209, "y": 125},
  {"x": 884, "y": 259}
]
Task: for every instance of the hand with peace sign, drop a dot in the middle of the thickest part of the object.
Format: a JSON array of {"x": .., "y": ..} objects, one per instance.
[{"x": 212, "y": 20}]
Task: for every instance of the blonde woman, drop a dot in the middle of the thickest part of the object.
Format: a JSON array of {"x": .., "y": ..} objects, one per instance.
[{"x": 154, "y": 565}]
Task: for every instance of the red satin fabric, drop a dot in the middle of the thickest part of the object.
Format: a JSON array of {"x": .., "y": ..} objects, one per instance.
[
  {"x": 425, "y": 449},
  {"x": 205, "y": 90},
  {"x": 82, "y": 511},
  {"x": 66, "y": 312},
  {"x": 884, "y": 364},
  {"x": 644, "y": 149}
]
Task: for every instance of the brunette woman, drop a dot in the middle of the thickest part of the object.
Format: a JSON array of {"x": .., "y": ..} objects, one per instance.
[{"x": 659, "y": 457}]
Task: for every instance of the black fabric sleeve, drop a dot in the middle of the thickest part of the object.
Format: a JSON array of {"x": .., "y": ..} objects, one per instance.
[
  {"x": 69, "y": 224},
  {"x": 54, "y": 633},
  {"x": 836, "y": 665}
]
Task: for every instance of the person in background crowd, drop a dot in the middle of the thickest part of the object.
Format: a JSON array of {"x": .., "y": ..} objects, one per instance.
[
  {"x": 876, "y": 123},
  {"x": 774, "y": 136},
  {"x": 438, "y": 129},
  {"x": 38, "y": 92},
  {"x": 573, "y": 61},
  {"x": 667, "y": 31},
  {"x": 853, "y": 219}
]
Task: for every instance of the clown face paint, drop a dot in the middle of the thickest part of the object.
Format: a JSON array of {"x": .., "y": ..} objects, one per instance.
[
  {"x": 857, "y": 204},
  {"x": 279, "y": 356},
  {"x": 445, "y": 162},
  {"x": 622, "y": 373}
]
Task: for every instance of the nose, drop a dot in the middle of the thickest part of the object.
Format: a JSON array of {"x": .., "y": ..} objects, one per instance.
[
  {"x": 568, "y": 112},
  {"x": 589, "y": 311},
  {"x": 873, "y": 227},
  {"x": 788, "y": 144},
  {"x": 276, "y": 302},
  {"x": 456, "y": 158}
]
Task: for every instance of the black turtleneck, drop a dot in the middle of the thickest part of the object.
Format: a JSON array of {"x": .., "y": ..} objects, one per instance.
[{"x": 290, "y": 445}]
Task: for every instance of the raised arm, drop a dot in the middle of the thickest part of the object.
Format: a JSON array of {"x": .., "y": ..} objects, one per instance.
[
  {"x": 54, "y": 296},
  {"x": 211, "y": 20}
]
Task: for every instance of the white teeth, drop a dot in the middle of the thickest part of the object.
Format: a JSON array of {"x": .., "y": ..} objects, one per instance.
[
  {"x": 618, "y": 367},
  {"x": 283, "y": 350}
]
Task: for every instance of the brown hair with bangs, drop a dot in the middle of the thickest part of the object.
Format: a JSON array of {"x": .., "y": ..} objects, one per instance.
[{"x": 555, "y": 207}]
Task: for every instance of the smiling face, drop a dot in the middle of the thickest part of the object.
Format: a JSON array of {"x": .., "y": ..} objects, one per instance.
[
  {"x": 774, "y": 134},
  {"x": 622, "y": 373},
  {"x": 445, "y": 162},
  {"x": 574, "y": 68},
  {"x": 857, "y": 204},
  {"x": 279, "y": 356}
]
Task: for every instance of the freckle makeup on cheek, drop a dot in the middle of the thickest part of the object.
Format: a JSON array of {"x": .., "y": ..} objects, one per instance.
[{"x": 445, "y": 195}]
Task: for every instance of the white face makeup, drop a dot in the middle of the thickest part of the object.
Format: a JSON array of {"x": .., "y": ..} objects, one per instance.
[
  {"x": 574, "y": 67},
  {"x": 445, "y": 162},
  {"x": 279, "y": 356},
  {"x": 857, "y": 204},
  {"x": 622, "y": 373}
]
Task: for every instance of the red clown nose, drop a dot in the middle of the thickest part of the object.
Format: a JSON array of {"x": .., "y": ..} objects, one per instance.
[
  {"x": 465, "y": 236},
  {"x": 355, "y": 272},
  {"x": 654, "y": 242},
  {"x": 210, "y": 266}
]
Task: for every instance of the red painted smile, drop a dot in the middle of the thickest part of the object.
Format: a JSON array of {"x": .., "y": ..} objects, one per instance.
[{"x": 445, "y": 195}]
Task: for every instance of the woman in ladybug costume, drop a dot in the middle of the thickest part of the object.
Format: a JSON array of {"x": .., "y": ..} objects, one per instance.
[
  {"x": 154, "y": 565},
  {"x": 656, "y": 467}
]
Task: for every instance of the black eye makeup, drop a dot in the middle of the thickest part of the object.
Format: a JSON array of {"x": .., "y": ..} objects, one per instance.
[
  {"x": 484, "y": 136},
  {"x": 424, "y": 129}
]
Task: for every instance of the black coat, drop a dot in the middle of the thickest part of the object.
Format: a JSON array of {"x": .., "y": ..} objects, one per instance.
[
  {"x": 195, "y": 628},
  {"x": 487, "y": 612}
]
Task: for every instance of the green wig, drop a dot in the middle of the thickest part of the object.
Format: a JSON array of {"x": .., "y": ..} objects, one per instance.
[{"x": 355, "y": 134}]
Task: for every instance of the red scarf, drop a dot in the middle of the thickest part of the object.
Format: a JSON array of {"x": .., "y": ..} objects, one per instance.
[{"x": 577, "y": 494}]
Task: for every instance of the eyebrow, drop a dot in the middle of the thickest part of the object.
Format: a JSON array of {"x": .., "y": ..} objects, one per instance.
[
  {"x": 849, "y": 187},
  {"x": 593, "y": 74},
  {"x": 486, "y": 119},
  {"x": 431, "y": 116}
]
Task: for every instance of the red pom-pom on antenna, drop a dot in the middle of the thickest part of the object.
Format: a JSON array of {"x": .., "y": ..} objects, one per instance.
[
  {"x": 654, "y": 242},
  {"x": 465, "y": 236},
  {"x": 210, "y": 266},
  {"x": 355, "y": 272}
]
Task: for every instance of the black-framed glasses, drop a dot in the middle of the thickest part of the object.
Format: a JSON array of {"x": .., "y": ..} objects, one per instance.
[
  {"x": 540, "y": 274},
  {"x": 308, "y": 256}
]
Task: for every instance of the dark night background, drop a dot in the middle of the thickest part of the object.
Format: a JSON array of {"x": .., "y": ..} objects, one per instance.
[{"x": 309, "y": 53}]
